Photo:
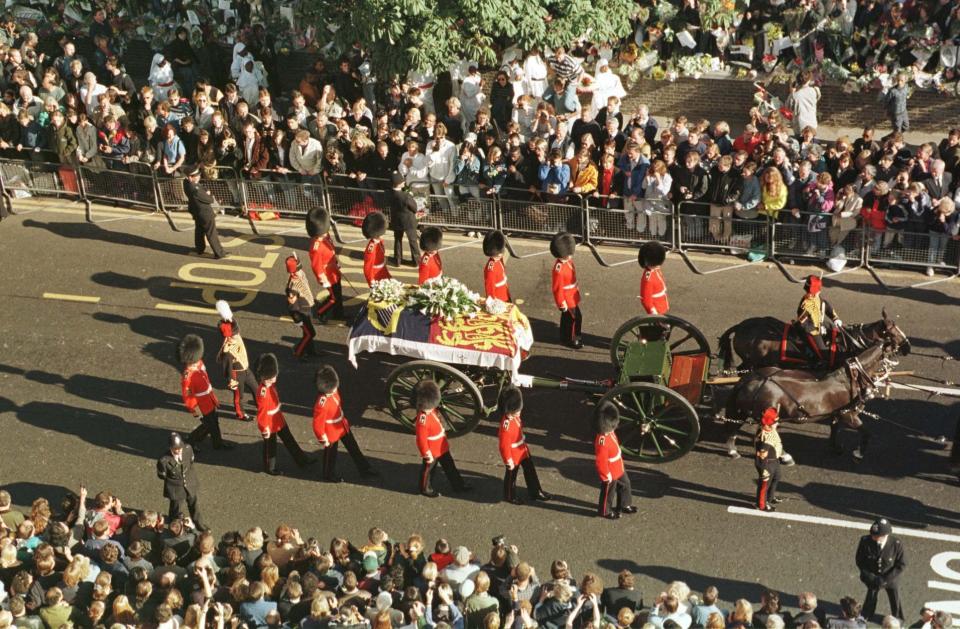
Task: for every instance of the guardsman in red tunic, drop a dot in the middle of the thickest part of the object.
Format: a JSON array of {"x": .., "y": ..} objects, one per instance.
[
  {"x": 233, "y": 358},
  {"x": 653, "y": 290},
  {"x": 374, "y": 256},
  {"x": 432, "y": 440},
  {"x": 270, "y": 419},
  {"x": 514, "y": 450},
  {"x": 566, "y": 294},
  {"x": 300, "y": 303},
  {"x": 331, "y": 427},
  {"x": 198, "y": 394},
  {"x": 326, "y": 267},
  {"x": 431, "y": 239},
  {"x": 494, "y": 272},
  {"x": 613, "y": 476}
]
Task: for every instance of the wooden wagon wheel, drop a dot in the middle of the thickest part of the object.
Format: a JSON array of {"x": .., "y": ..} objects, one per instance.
[
  {"x": 683, "y": 337},
  {"x": 657, "y": 424},
  {"x": 461, "y": 406}
]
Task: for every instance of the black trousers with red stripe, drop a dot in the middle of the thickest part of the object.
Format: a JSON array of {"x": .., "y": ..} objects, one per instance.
[
  {"x": 330, "y": 456},
  {"x": 449, "y": 468},
  {"x": 767, "y": 488},
  {"x": 309, "y": 332},
  {"x": 290, "y": 442},
  {"x": 619, "y": 487},
  {"x": 529, "y": 475},
  {"x": 332, "y": 306},
  {"x": 246, "y": 380},
  {"x": 209, "y": 425},
  {"x": 571, "y": 321}
]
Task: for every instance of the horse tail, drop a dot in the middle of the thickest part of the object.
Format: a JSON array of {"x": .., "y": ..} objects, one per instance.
[
  {"x": 726, "y": 347},
  {"x": 732, "y": 410}
]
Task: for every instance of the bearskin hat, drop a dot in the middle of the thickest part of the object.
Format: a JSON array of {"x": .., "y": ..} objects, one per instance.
[
  {"x": 608, "y": 418},
  {"x": 374, "y": 225},
  {"x": 431, "y": 238},
  {"x": 563, "y": 245},
  {"x": 426, "y": 395},
  {"x": 327, "y": 379},
  {"x": 190, "y": 349},
  {"x": 223, "y": 308},
  {"x": 651, "y": 253},
  {"x": 267, "y": 367},
  {"x": 318, "y": 222},
  {"x": 511, "y": 401},
  {"x": 494, "y": 243}
]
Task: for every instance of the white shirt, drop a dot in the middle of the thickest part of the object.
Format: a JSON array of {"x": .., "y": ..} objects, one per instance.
[
  {"x": 418, "y": 171},
  {"x": 441, "y": 161}
]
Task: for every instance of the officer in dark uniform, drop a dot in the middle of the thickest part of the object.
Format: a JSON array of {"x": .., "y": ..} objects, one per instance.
[
  {"x": 175, "y": 469},
  {"x": 403, "y": 221},
  {"x": 200, "y": 205},
  {"x": 881, "y": 561}
]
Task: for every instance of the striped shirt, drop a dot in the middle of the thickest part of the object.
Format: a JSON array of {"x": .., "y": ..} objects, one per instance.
[{"x": 567, "y": 68}]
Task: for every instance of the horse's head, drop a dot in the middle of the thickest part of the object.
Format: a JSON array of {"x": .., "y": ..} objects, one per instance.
[
  {"x": 875, "y": 361},
  {"x": 893, "y": 336}
]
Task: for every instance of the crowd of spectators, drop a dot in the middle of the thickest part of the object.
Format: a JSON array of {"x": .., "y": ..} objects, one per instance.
[
  {"x": 100, "y": 565},
  {"x": 526, "y": 138}
]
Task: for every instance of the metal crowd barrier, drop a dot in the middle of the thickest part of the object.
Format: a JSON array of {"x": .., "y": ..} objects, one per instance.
[
  {"x": 468, "y": 213},
  {"x": 716, "y": 228},
  {"x": 22, "y": 179}
]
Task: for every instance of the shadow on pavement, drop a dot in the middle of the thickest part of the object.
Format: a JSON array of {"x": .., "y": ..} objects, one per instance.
[{"x": 88, "y": 231}]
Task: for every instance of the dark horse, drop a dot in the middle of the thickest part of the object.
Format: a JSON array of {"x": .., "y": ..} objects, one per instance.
[
  {"x": 802, "y": 396},
  {"x": 757, "y": 341}
]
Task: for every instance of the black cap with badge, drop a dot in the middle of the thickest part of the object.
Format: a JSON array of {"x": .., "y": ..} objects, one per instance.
[{"x": 881, "y": 527}]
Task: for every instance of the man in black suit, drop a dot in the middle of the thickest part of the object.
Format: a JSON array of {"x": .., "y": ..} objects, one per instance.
[
  {"x": 612, "y": 600},
  {"x": 175, "y": 469},
  {"x": 939, "y": 183},
  {"x": 200, "y": 205},
  {"x": 881, "y": 561},
  {"x": 403, "y": 220}
]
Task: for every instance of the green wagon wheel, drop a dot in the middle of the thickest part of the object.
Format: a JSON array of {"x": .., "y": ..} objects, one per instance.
[
  {"x": 657, "y": 424},
  {"x": 683, "y": 337},
  {"x": 461, "y": 406}
]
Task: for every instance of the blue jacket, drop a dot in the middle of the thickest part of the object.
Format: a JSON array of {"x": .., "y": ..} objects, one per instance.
[
  {"x": 633, "y": 178},
  {"x": 254, "y": 613},
  {"x": 559, "y": 175}
]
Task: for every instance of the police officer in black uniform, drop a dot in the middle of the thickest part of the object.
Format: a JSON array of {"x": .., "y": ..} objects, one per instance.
[
  {"x": 881, "y": 561},
  {"x": 200, "y": 205},
  {"x": 403, "y": 221},
  {"x": 180, "y": 485}
]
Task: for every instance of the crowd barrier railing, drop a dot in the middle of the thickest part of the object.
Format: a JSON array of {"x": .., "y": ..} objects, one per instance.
[{"x": 685, "y": 228}]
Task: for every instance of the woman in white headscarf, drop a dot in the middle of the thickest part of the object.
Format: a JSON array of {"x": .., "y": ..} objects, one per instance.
[
  {"x": 605, "y": 84},
  {"x": 535, "y": 73},
  {"x": 161, "y": 77},
  {"x": 241, "y": 54},
  {"x": 247, "y": 83}
]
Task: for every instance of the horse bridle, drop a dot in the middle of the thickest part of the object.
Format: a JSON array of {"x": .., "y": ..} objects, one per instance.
[{"x": 863, "y": 386}]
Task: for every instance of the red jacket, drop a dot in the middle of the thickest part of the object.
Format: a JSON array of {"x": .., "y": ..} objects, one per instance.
[
  {"x": 565, "y": 291},
  {"x": 431, "y": 437},
  {"x": 875, "y": 215},
  {"x": 375, "y": 262},
  {"x": 328, "y": 419},
  {"x": 323, "y": 260},
  {"x": 513, "y": 445},
  {"x": 653, "y": 292},
  {"x": 495, "y": 280},
  {"x": 269, "y": 415},
  {"x": 609, "y": 460},
  {"x": 197, "y": 390},
  {"x": 430, "y": 266}
]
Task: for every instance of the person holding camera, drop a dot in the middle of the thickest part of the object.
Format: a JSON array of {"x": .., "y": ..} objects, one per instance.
[{"x": 180, "y": 485}]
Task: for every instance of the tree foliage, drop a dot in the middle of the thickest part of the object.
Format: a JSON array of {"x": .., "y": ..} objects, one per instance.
[{"x": 404, "y": 35}]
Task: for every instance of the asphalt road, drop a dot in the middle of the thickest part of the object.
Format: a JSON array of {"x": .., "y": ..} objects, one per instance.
[{"x": 89, "y": 391}]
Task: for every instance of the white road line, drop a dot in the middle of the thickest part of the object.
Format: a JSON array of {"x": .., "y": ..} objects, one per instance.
[
  {"x": 845, "y": 524},
  {"x": 64, "y": 297},
  {"x": 923, "y": 387}
]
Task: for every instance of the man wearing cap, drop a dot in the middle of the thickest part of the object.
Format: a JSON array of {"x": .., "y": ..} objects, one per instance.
[
  {"x": 432, "y": 440},
  {"x": 200, "y": 205},
  {"x": 495, "y": 272},
  {"x": 653, "y": 290},
  {"x": 403, "y": 221},
  {"x": 814, "y": 312},
  {"x": 881, "y": 561},
  {"x": 769, "y": 448},
  {"x": 609, "y": 460},
  {"x": 180, "y": 485}
]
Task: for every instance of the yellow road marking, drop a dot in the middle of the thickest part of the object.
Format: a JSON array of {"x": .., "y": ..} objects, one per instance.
[
  {"x": 183, "y": 308},
  {"x": 63, "y": 297}
]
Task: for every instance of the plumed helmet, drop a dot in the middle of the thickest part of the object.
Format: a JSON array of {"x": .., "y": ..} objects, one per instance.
[
  {"x": 651, "y": 254},
  {"x": 293, "y": 264},
  {"x": 175, "y": 441},
  {"x": 190, "y": 349},
  {"x": 769, "y": 417},
  {"x": 318, "y": 222},
  {"x": 881, "y": 526},
  {"x": 431, "y": 239},
  {"x": 563, "y": 245},
  {"x": 608, "y": 418},
  {"x": 327, "y": 379},
  {"x": 223, "y": 308},
  {"x": 374, "y": 225},
  {"x": 494, "y": 243},
  {"x": 813, "y": 285},
  {"x": 426, "y": 395},
  {"x": 267, "y": 367},
  {"x": 511, "y": 401}
]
